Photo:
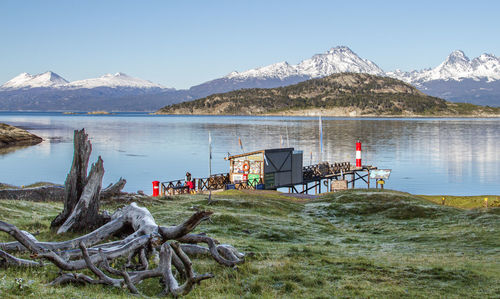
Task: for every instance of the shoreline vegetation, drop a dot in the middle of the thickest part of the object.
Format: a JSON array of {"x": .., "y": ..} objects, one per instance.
[
  {"x": 358, "y": 243},
  {"x": 342, "y": 95}
]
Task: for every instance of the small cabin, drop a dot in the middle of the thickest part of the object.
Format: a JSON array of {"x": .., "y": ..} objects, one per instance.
[{"x": 270, "y": 168}]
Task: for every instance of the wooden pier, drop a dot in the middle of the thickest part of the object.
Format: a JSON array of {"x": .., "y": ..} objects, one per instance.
[
  {"x": 318, "y": 178},
  {"x": 331, "y": 177}
]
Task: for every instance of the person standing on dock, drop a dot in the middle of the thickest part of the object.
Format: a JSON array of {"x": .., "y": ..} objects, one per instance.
[{"x": 189, "y": 182}]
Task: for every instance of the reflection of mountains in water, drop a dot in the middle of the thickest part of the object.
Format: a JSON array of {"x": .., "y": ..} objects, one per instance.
[{"x": 451, "y": 147}]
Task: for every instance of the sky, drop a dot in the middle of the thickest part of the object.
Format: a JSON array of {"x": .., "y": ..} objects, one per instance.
[{"x": 184, "y": 43}]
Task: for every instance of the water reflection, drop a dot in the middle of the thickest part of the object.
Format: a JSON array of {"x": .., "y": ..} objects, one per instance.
[{"x": 428, "y": 156}]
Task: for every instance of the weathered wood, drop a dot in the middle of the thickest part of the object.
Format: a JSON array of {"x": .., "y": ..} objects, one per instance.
[
  {"x": 171, "y": 284},
  {"x": 114, "y": 189},
  {"x": 85, "y": 214},
  {"x": 146, "y": 238},
  {"x": 77, "y": 177},
  {"x": 10, "y": 260}
]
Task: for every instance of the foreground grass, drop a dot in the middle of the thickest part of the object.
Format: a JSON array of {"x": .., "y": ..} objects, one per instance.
[
  {"x": 348, "y": 244},
  {"x": 465, "y": 202}
]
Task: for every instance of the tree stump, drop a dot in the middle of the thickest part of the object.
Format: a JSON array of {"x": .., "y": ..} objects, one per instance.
[{"x": 82, "y": 192}]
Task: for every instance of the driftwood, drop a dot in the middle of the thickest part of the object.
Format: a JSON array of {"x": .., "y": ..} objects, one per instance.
[
  {"x": 113, "y": 189},
  {"x": 176, "y": 246}
]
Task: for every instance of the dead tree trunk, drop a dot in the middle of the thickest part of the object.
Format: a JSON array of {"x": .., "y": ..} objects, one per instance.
[
  {"x": 82, "y": 193},
  {"x": 86, "y": 212},
  {"x": 77, "y": 176}
]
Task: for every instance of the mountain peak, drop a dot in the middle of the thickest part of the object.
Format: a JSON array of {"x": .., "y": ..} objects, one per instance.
[
  {"x": 336, "y": 60},
  {"x": 25, "y": 80},
  {"x": 113, "y": 81},
  {"x": 339, "y": 49},
  {"x": 457, "y": 56},
  {"x": 456, "y": 66}
]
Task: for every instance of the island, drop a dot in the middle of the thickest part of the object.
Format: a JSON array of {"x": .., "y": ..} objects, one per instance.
[{"x": 343, "y": 94}]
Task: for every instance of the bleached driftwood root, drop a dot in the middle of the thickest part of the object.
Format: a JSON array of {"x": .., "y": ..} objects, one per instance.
[{"x": 175, "y": 244}]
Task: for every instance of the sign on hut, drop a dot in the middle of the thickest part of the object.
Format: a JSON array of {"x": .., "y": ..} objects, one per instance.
[{"x": 269, "y": 169}]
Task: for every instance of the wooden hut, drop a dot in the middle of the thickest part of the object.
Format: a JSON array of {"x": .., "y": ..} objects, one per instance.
[{"x": 269, "y": 169}]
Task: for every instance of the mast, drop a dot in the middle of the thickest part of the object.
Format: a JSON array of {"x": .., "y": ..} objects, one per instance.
[{"x": 320, "y": 156}]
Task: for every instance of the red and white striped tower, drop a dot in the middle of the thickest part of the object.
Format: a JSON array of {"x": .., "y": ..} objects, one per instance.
[{"x": 358, "y": 154}]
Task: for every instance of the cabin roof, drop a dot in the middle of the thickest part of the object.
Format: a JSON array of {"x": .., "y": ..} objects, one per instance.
[{"x": 287, "y": 149}]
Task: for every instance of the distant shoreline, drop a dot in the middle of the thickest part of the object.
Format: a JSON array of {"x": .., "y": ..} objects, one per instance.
[{"x": 311, "y": 115}]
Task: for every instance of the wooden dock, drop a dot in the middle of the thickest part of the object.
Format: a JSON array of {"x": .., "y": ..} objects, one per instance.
[
  {"x": 331, "y": 177},
  {"x": 318, "y": 178}
]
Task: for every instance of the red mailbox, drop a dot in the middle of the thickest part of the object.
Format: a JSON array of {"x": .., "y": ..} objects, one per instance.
[{"x": 156, "y": 188}]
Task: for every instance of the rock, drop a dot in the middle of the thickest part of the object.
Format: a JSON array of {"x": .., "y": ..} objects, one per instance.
[
  {"x": 12, "y": 136},
  {"x": 43, "y": 193}
]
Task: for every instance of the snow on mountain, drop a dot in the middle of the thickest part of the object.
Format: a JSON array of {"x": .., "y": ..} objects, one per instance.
[
  {"x": 113, "y": 81},
  {"x": 53, "y": 80},
  {"x": 25, "y": 80},
  {"x": 336, "y": 60},
  {"x": 458, "y": 67},
  {"x": 279, "y": 70}
]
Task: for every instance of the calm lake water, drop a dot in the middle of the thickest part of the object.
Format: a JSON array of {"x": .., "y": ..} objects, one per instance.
[{"x": 427, "y": 156}]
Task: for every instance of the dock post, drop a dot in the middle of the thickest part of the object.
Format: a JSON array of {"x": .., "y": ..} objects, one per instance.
[
  {"x": 353, "y": 178},
  {"x": 368, "y": 179}
]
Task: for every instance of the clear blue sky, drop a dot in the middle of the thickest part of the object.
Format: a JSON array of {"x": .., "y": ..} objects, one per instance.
[{"x": 184, "y": 43}]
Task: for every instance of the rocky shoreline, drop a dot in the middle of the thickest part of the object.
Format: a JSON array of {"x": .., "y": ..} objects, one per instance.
[{"x": 13, "y": 136}]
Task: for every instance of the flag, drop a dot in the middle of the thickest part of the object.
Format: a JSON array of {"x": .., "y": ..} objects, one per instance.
[{"x": 241, "y": 143}]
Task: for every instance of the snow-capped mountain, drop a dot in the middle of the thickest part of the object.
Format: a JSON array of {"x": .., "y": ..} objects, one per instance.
[
  {"x": 118, "y": 92},
  {"x": 336, "y": 60},
  {"x": 458, "y": 67},
  {"x": 113, "y": 81},
  {"x": 459, "y": 79},
  {"x": 25, "y": 80},
  {"x": 53, "y": 80}
]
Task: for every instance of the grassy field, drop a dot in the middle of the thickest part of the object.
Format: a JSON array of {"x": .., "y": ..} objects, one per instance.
[{"x": 359, "y": 243}]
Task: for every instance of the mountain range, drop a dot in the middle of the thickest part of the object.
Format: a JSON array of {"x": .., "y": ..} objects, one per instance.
[{"x": 458, "y": 79}]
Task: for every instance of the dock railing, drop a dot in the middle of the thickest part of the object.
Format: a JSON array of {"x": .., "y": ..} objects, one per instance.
[
  {"x": 321, "y": 170},
  {"x": 214, "y": 182}
]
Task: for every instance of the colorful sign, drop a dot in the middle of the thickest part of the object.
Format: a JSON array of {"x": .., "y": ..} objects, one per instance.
[{"x": 380, "y": 174}]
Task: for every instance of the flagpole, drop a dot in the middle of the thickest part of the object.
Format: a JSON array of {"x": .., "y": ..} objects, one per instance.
[
  {"x": 287, "y": 140},
  {"x": 320, "y": 140},
  {"x": 209, "y": 166}
]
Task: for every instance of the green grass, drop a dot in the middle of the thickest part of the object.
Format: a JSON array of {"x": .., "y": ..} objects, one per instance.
[
  {"x": 358, "y": 243},
  {"x": 465, "y": 202}
]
